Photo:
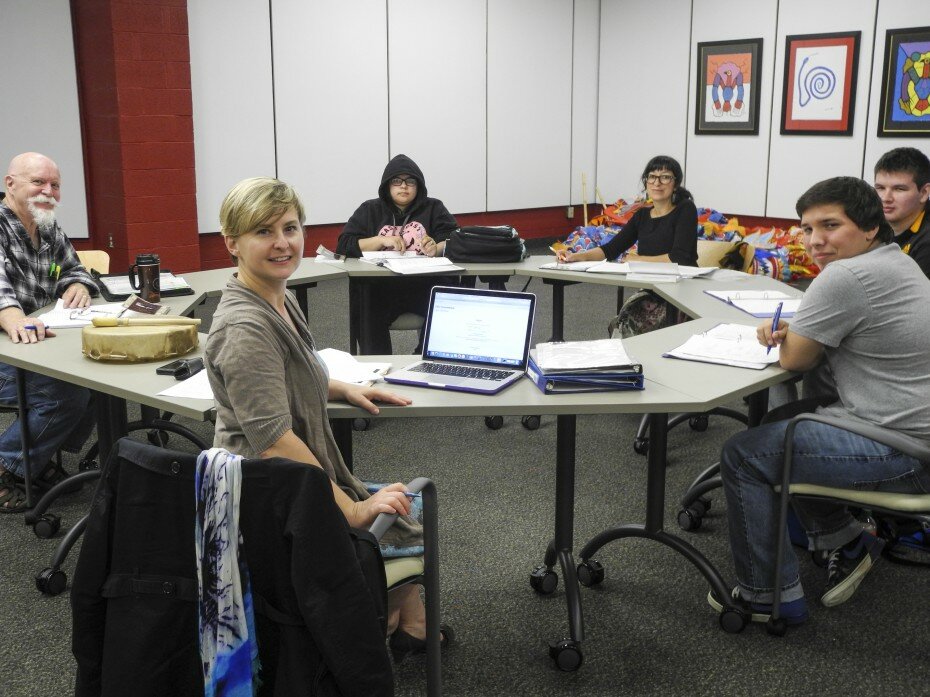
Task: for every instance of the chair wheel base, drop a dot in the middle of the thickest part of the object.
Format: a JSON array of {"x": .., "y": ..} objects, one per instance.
[
  {"x": 544, "y": 581},
  {"x": 361, "y": 424},
  {"x": 46, "y": 526},
  {"x": 776, "y": 627},
  {"x": 531, "y": 423},
  {"x": 641, "y": 446},
  {"x": 494, "y": 422},
  {"x": 733, "y": 621},
  {"x": 590, "y": 573},
  {"x": 566, "y": 654},
  {"x": 51, "y": 581}
]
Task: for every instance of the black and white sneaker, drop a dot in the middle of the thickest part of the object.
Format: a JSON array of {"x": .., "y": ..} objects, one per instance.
[{"x": 848, "y": 565}]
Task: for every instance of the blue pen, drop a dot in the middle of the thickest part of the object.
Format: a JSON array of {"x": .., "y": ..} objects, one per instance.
[
  {"x": 775, "y": 324},
  {"x": 411, "y": 495},
  {"x": 30, "y": 326}
]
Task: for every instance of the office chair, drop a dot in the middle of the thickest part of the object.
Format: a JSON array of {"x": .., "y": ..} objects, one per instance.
[
  {"x": 893, "y": 505},
  {"x": 695, "y": 503},
  {"x": 95, "y": 259},
  {"x": 138, "y": 561}
]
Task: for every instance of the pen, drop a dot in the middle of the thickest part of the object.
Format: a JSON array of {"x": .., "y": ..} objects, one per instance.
[
  {"x": 30, "y": 326},
  {"x": 775, "y": 324},
  {"x": 410, "y": 494}
]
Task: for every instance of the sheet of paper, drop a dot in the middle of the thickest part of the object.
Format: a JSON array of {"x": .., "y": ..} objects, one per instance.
[
  {"x": 576, "y": 355},
  {"x": 345, "y": 367},
  {"x": 651, "y": 278},
  {"x": 610, "y": 267},
  {"x": 60, "y": 318},
  {"x": 119, "y": 285},
  {"x": 417, "y": 265},
  {"x": 197, "y": 386},
  {"x": 727, "y": 344},
  {"x": 654, "y": 268},
  {"x": 730, "y": 275},
  {"x": 390, "y": 254},
  {"x": 758, "y": 303},
  {"x": 694, "y": 271},
  {"x": 570, "y": 265}
]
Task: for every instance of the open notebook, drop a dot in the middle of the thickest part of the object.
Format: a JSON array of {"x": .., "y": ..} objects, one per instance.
[{"x": 475, "y": 341}]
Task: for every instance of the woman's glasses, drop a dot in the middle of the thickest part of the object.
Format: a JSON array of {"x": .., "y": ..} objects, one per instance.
[
  {"x": 659, "y": 178},
  {"x": 400, "y": 181}
]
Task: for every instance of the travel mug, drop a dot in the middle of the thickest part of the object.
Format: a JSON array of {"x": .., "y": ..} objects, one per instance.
[{"x": 148, "y": 268}]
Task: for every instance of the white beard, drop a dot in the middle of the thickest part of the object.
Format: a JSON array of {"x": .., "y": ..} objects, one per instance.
[{"x": 44, "y": 218}]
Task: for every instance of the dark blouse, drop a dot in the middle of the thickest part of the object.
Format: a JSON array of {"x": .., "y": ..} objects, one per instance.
[{"x": 674, "y": 234}]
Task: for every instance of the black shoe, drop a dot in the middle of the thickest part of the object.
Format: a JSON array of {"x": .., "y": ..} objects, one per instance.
[
  {"x": 403, "y": 644},
  {"x": 793, "y": 612},
  {"x": 848, "y": 565}
]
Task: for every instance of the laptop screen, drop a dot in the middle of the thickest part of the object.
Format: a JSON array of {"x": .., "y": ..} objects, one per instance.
[{"x": 479, "y": 326}]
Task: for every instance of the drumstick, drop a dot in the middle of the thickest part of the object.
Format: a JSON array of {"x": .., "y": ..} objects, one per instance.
[{"x": 142, "y": 321}]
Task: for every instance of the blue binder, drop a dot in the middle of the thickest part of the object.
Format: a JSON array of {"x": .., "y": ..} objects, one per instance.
[{"x": 607, "y": 380}]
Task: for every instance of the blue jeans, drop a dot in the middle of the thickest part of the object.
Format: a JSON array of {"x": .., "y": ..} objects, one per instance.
[
  {"x": 60, "y": 415},
  {"x": 751, "y": 465}
]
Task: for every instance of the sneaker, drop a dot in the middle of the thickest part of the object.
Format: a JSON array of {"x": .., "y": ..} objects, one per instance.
[
  {"x": 793, "y": 612},
  {"x": 848, "y": 565}
]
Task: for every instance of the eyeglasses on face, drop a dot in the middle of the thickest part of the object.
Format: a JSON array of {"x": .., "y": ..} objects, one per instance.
[
  {"x": 400, "y": 181},
  {"x": 659, "y": 178}
]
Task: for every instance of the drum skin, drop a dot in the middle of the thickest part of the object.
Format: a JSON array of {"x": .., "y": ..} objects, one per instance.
[{"x": 138, "y": 344}]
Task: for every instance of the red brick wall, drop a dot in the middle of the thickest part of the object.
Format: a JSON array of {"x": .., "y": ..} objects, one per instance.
[{"x": 133, "y": 66}]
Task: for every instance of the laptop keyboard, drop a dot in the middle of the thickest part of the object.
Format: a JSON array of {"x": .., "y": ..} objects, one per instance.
[{"x": 464, "y": 371}]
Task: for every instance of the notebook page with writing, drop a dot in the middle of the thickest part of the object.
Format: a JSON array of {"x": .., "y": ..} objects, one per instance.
[{"x": 727, "y": 344}]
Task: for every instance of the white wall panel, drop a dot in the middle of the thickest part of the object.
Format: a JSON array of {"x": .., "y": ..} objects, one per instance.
[
  {"x": 729, "y": 172},
  {"x": 331, "y": 102},
  {"x": 529, "y": 103},
  {"x": 585, "y": 62},
  {"x": 643, "y": 89},
  {"x": 797, "y": 162},
  {"x": 437, "y": 63},
  {"x": 231, "y": 88},
  {"x": 892, "y": 14},
  {"x": 39, "y": 110}
]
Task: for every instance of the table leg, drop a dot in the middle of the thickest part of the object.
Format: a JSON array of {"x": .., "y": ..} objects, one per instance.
[
  {"x": 355, "y": 313},
  {"x": 558, "y": 309},
  {"x": 25, "y": 438}
]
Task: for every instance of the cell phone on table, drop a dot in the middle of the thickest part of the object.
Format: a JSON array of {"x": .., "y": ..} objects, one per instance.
[{"x": 182, "y": 368}]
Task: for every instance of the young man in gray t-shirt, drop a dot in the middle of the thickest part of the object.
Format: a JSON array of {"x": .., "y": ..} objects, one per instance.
[{"x": 868, "y": 315}]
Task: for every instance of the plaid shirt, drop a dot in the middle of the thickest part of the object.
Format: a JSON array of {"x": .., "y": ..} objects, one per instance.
[{"x": 28, "y": 279}]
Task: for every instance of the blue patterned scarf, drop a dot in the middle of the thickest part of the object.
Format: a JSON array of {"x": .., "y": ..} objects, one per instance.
[{"x": 228, "y": 645}]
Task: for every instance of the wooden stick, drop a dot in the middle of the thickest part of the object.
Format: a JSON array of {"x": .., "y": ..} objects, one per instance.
[
  {"x": 143, "y": 321},
  {"x": 597, "y": 194},
  {"x": 584, "y": 197}
]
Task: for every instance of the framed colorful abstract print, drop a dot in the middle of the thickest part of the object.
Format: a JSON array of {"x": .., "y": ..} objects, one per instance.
[
  {"x": 728, "y": 89},
  {"x": 905, "y": 98}
]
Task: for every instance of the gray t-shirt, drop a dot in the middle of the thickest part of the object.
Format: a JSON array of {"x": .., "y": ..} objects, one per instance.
[{"x": 872, "y": 314}]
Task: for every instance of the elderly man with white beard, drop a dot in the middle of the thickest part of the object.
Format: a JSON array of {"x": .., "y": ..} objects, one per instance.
[{"x": 37, "y": 265}]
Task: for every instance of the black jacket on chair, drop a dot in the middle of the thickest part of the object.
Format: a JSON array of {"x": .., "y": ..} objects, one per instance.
[{"x": 134, "y": 590}]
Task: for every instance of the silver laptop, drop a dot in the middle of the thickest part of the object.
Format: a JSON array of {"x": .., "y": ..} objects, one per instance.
[{"x": 475, "y": 341}]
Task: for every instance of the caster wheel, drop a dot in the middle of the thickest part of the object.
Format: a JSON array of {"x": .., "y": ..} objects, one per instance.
[
  {"x": 733, "y": 621},
  {"x": 641, "y": 445},
  {"x": 46, "y": 526},
  {"x": 698, "y": 423},
  {"x": 544, "y": 581},
  {"x": 590, "y": 573},
  {"x": 705, "y": 502},
  {"x": 776, "y": 627},
  {"x": 88, "y": 465},
  {"x": 157, "y": 438},
  {"x": 360, "y": 424},
  {"x": 530, "y": 423},
  {"x": 820, "y": 557},
  {"x": 690, "y": 519},
  {"x": 51, "y": 581},
  {"x": 494, "y": 422},
  {"x": 566, "y": 654}
]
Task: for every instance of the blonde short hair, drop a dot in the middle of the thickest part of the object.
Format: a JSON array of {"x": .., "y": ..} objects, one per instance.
[{"x": 253, "y": 202}]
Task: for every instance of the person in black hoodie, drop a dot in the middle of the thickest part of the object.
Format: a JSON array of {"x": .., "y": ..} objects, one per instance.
[{"x": 402, "y": 218}]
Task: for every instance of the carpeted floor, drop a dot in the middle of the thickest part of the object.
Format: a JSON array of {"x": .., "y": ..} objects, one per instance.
[{"x": 649, "y": 629}]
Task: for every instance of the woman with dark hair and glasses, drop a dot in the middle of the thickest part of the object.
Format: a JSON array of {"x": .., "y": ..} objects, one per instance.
[
  {"x": 667, "y": 232},
  {"x": 403, "y": 219}
]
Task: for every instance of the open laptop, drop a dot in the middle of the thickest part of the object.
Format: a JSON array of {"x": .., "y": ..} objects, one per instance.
[{"x": 475, "y": 341}]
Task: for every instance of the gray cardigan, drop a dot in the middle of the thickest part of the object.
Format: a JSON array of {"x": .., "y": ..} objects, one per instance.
[{"x": 267, "y": 379}]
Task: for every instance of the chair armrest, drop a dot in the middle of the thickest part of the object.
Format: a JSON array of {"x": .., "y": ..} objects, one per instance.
[
  {"x": 420, "y": 485},
  {"x": 893, "y": 439}
]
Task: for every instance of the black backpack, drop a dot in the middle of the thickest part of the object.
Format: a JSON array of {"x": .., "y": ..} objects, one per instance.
[{"x": 500, "y": 244}]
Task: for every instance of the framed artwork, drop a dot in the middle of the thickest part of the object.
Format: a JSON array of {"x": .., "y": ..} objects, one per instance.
[
  {"x": 727, "y": 95},
  {"x": 819, "y": 97},
  {"x": 905, "y": 105}
]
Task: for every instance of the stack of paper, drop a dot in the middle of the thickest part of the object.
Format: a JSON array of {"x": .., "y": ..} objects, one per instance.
[
  {"x": 758, "y": 303},
  {"x": 584, "y": 366},
  {"x": 346, "y": 368},
  {"x": 646, "y": 271},
  {"x": 61, "y": 318},
  {"x": 420, "y": 265},
  {"x": 727, "y": 344}
]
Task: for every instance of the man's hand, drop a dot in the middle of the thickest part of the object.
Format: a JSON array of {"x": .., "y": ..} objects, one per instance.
[
  {"x": 76, "y": 296},
  {"x": 29, "y": 330}
]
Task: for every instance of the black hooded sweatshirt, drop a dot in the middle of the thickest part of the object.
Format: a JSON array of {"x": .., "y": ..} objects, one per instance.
[{"x": 380, "y": 216}]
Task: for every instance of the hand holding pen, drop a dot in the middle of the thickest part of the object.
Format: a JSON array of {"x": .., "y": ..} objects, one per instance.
[{"x": 771, "y": 340}]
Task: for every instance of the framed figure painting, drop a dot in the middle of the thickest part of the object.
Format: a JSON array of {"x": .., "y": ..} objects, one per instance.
[
  {"x": 819, "y": 97},
  {"x": 905, "y": 100},
  {"x": 727, "y": 95}
]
